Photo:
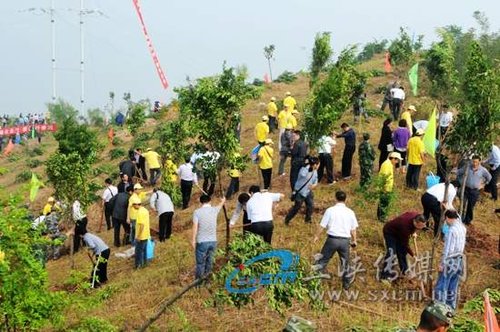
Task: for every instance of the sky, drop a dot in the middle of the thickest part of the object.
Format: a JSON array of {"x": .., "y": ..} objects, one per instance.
[{"x": 192, "y": 39}]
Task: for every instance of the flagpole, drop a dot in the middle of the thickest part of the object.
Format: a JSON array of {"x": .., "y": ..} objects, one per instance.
[
  {"x": 82, "y": 68},
  {"x": 53, "y": 28}
]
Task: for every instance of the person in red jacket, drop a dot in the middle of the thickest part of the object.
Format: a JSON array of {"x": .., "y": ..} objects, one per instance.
[{"x": 397, "y": 234}]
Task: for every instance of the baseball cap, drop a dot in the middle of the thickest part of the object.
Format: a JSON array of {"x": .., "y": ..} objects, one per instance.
[
  {"x": 51, "y": 199},
  {"x": 265, "y": 118},
  {"x": 295, "y": 112},
  {"x": 269, "y": 141},
  {"x": 288, "y": 93},
  {"x": 419, "y": 132},
  {"x": 137, "y": 186},
  {"x": 148, "y": 149},
  {"x": 396, "y": 155},
  {"x": 273, "y": 98},
  {"x": 441, "y": 311}
]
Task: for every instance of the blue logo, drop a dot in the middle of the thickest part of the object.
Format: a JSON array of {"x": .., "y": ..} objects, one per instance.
[{"x": 249, "y": 284}]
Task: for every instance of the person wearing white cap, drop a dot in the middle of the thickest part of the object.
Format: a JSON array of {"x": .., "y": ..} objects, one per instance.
[
  {"x": 272, "y": 113},
  {"x": 416, "y": 158},
  {"x": 262, "y": 130},
  {"x": 289, "y": 101},
  {"x": 387, "y": 171},
  {"x": 266, "y": 162}
]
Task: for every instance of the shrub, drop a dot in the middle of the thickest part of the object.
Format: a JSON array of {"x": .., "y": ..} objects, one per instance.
[
  {"x": 3, "y": 170},
  {"x": 117, "y": 141},
  {"x": 117, "y": 153},
  {"x": 258, "y": 82},
  {"x": 286, "y": 77},
  {"x": 142, "y": 140},
  {"x": 13, "y": 158},
  {"x": 34, "y": 163},
  {"x": 94, "y": 324},
  {"x": 24, "y": 176}
]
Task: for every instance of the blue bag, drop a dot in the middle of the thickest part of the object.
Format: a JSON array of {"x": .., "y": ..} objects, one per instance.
[
  {"x": 431, "y": 180},
  {"x": 254, "y": 154},
  {"x": 150, "y": 249}
]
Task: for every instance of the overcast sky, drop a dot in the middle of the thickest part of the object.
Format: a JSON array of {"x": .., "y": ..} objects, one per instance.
[{"x": 192, "y": 38}]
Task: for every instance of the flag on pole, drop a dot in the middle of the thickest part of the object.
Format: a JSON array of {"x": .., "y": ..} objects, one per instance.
[
  {"x": 387, "y": 66},
  {"x": 33, "y": 132},
  {"x": 266, "y": 78},
  {"x": 8, "y": 148},
  {"x": 413, "y": 77},
  {"x": 430, "y": 135},
  {"x": 34, "y": 186},
  {"x": 490, "y": 320}
]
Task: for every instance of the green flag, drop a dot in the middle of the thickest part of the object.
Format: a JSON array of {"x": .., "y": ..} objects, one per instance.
[
  {"x": 430, "y": 135},
  {"x": 34, "y": 186},
  {"x": 413, "y": 77}
]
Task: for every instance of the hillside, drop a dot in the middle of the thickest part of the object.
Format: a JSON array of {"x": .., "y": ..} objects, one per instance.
[{"x": 131, "y": 296}]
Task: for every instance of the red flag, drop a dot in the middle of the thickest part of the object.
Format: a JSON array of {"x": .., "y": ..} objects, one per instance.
[
  {"x": 154, "y": 56},
  {"x": 490, "y": 320},
  {"x": 8, "y": 148},
  {"x": 388, "y": 67},
  {"x": 266, "y": 78},
  {"x": 111, "y": 134}
]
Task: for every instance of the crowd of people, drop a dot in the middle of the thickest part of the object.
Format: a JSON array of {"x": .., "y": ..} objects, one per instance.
[{"x": 401, "y": 150}]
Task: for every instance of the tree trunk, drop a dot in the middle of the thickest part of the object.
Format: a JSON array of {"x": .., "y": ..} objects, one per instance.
[
  {"x": 270, "y": 70},
  {"x": 226, "y": 218},
  {"x": 462, "y": 188}
]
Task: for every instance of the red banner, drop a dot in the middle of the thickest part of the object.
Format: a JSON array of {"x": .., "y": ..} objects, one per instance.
[
  {"x": 156, "y": 61},
  {"x": 8, "y": 131}
]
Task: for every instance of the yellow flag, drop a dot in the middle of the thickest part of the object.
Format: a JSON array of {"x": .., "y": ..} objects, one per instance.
[{"x": 34, "y": 186}]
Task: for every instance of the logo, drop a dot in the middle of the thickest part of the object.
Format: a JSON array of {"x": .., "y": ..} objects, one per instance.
[{"x": 249, "y": 284}]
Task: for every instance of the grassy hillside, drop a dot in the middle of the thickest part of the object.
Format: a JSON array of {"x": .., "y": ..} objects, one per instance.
[{"x": 132, "y": 296}]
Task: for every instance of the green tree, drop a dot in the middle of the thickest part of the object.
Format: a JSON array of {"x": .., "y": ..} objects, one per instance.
[
  {"x": 136, "y": 116},
  {"x": 475, "y": 128},
  {"x": 330, "y": 97},
  {"x": 69, "y": 174},
  {"x": 26, "y": 303},
  {"x": 211, "y": 109},
  {"x": 440, "y": 66},
  {"x": 96, "y": 117},
  {"x": 61, "y": 110},
  {"x": 76, "y": 138},
  {"x": 403, "y": 47},
  {"x": 321, "y": 55},
  {"x": 370, "y": 49},
  {"x": 269, "y": 55}
]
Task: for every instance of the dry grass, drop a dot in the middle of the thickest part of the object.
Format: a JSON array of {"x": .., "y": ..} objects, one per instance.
[{"x": 141, "y": 292}]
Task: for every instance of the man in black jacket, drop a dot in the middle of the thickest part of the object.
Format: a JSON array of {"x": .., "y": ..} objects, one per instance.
[
  {"x": 298, "y": 154},
  {"x": 141, "y": 163},
  {"x": 350, "y": 146},
  {"x": 127, "y": 166},
  {"x": 119, "y": 204}
]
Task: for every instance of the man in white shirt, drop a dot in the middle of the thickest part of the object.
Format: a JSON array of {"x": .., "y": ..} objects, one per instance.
[
  {"x": 451, "y": 265},
  {"x": 80, "y": 220},
  {"x": 326, "y": 144},
  {"x": 107, "y": 194},
  {"x": 445, "y": 119},
  {"x": 260, "y": 212},
  {"x": 494, "y": 162},
  {"x": 433, "y": 199},
  {"x": 398, "y": 96},
  {"x": 162, "y": 204},
  {"x": 188, "y": 177},
  {"x": 340, "y": 223}
]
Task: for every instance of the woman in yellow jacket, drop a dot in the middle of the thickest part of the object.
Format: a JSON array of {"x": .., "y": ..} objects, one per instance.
[{"x": 266, "y": 162}]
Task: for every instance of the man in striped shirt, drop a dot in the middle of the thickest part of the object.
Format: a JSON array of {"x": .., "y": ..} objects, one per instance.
[{"x": 451, "y": 266}]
